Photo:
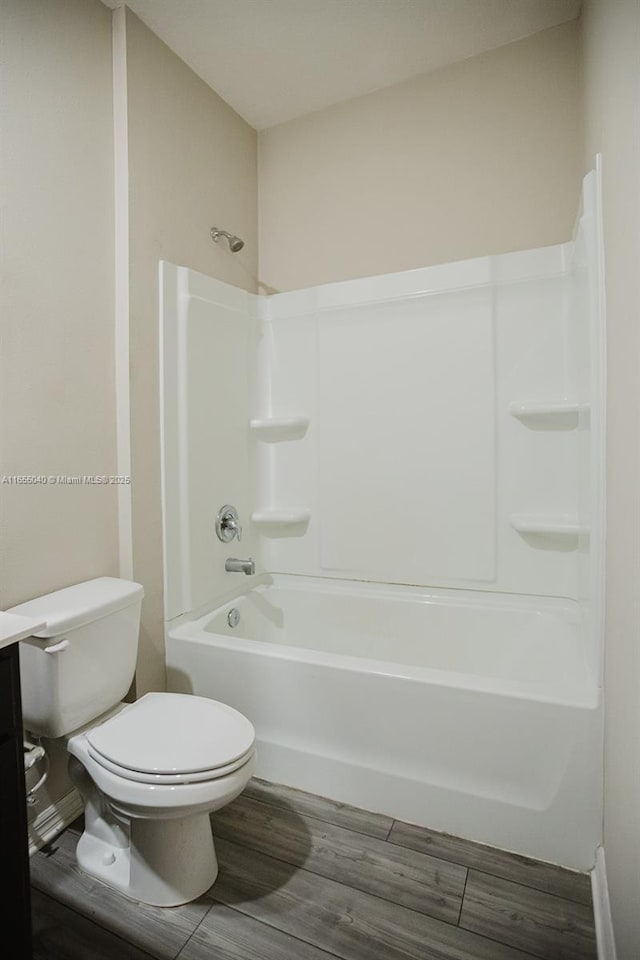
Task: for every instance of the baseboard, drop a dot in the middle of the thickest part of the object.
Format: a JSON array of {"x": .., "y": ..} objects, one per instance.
[
  {"x": 53, "y": 819},
  {"x": 602, "y": 909}
]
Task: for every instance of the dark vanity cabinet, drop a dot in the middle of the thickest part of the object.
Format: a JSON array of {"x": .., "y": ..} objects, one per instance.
[{"x": 14, "y": 844}]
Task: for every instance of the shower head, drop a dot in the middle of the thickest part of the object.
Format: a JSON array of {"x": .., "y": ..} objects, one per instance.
[{"x": 235, "y": 243}]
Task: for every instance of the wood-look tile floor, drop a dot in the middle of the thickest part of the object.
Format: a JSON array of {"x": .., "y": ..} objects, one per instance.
[{"x": 304, "y": 878}]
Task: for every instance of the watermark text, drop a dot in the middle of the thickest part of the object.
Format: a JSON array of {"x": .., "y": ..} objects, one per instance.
[{"x": 58, "y": 480}]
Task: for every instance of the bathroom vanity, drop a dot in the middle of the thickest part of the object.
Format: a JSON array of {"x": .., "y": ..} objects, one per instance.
[{"x": 14, "y": 842}]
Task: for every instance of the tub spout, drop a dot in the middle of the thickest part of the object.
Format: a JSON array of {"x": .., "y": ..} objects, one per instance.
[{"x": 240, "y": 566}]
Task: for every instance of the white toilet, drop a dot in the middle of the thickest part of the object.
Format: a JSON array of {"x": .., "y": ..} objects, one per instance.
[{"x": 149, "y": 772}]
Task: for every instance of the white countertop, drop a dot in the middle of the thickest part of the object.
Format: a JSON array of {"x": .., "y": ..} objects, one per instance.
[{"x": 14, "y": 628}]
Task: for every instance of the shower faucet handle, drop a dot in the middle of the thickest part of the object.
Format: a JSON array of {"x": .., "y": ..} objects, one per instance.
[{"x": 228, "y": 524}]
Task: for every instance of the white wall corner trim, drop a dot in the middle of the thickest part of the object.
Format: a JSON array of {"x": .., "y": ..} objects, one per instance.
[
  {"x": 121, "y": 203},
  {"x": 55, "y": 818},
  {"x": 602, "y": 909}
]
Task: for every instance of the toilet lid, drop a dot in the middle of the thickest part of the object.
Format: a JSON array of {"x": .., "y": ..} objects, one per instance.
[
  {"x": 173, "y": 733},
  {"x": 170, "y": 779}
]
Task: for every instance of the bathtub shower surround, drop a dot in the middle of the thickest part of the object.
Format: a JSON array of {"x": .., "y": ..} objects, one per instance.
[{"x": 416, "y": 460}]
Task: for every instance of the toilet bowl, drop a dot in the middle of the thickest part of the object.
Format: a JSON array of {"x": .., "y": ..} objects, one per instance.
[
  {"x": 150, "y": 776},
  {"x": 149, "y": 772}
]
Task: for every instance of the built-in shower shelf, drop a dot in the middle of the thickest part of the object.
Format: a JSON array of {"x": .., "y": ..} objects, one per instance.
[
  {"x": 554, "y": 413},
  {"x": 281, "y": 517},
  {"x": 273, "y": 429},
  {"x": 554, "y": 525}
]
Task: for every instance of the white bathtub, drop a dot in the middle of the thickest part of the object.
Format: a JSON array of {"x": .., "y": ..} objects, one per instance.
[{"x": 464, "y": 712}]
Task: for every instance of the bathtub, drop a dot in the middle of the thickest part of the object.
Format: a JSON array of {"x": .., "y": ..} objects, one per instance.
[{"x": 469, "y": 713}]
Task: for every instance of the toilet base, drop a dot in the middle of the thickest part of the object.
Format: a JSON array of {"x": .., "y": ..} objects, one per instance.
[{"x": 165, "y": 863}]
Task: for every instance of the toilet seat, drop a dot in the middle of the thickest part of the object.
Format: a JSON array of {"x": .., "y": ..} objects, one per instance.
[
  {"x": 177, "y": 778},
  {"x": 172, "y": 738}
]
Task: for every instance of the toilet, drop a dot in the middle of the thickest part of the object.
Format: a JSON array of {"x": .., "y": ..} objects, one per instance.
[{"x": 149, "y": 772}]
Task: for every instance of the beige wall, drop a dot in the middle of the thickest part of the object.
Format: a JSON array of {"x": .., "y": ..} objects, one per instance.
[
  {"x": 480, "y": 157},
  {"x": 57, "y": 401},
  {"x": 612, "y": 102},
  {"x": 192, "y": 165}
]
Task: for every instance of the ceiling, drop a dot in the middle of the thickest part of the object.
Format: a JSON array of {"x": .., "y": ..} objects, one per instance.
[{"x": 274, "y": 60}]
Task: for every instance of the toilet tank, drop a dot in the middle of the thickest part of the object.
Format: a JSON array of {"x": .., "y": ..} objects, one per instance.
[{"x": 82, "y": 663}]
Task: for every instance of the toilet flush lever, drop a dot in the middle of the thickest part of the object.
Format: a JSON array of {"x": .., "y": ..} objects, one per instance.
[
  {"x": 228, "y": 524},
  {"x": 57, "y": 647}
]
